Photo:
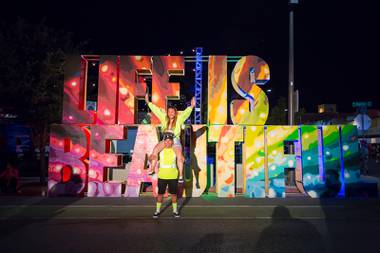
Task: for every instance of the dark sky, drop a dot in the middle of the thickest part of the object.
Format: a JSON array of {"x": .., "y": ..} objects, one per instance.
[{"x": 336, "y": 48}]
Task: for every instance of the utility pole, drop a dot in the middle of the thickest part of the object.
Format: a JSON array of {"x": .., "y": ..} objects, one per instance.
[{"x": 292, "y": 4}]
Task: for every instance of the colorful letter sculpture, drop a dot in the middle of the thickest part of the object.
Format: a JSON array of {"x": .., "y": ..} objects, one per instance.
[{"x": 324, "y": 159}]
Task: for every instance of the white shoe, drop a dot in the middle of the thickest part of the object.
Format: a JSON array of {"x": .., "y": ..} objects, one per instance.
[{"x": 156, "y": 215}]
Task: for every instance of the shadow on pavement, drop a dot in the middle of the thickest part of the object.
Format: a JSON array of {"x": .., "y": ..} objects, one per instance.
[
  {"x": 287, "y": 234},
  {"x": 209, "y": 243}
]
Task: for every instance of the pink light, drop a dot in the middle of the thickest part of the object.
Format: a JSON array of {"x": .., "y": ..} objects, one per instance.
[
  {"x": 73, "y": 83},
  {"x": 60, "y": 143},
  {"x": 123, "y": 91},
  {"x": 107, "y": 112},
  {"x": 71, "y": 117}
]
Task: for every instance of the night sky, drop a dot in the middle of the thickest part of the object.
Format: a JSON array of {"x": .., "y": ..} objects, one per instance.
[{"x": 336, "y": 48}]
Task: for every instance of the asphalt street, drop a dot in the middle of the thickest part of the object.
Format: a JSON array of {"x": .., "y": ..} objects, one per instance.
[{"x": 206, "y": 225}]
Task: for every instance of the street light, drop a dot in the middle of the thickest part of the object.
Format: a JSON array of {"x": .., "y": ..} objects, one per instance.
[{"x": 292, "y": 4}]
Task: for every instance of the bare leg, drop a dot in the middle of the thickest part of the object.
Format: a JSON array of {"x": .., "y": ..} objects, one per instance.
[
  {"x": 153, "y": 158},
  {"x": 159, "y": 198},
  {"x": 180, "y": 159},
  {"x": 174, "y": 198}
]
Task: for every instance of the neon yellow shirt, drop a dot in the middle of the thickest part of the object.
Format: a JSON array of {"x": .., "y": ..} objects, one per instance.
[
  {"x": 161, "y": 115},
  {"x": 168, "y": 166}
]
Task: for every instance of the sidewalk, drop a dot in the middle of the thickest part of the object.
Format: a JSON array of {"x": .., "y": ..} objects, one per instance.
[
  {"x": 239, "y": 208},
  {"x": 30, "y": 186}
]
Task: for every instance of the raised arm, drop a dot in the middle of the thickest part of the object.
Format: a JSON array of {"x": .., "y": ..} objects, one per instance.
[
  {"x": 187, "y": 112},
  {"x": 161, "y": 115}
]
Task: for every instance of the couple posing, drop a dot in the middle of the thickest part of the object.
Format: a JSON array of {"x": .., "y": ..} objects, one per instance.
[{"x": 169, "y": 152}]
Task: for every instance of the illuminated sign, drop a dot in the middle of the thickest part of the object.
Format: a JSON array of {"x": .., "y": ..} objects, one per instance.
[{"x": 325, "y": 158}]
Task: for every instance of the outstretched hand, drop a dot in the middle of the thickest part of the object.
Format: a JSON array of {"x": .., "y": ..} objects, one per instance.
[{"x": 193, "y": 102}]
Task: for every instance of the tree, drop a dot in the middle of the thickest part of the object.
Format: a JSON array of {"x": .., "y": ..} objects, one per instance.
[
  {"x": 31, "y": 76},
  {"x": 278, "y": 113}
]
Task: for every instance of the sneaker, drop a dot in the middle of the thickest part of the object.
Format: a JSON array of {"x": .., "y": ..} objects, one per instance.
[
  {"x": 180, "y": 180},
  {"x": 156, "y": 214},
  {"x": 150, "y": 173},
  {"x": 176, "y": 215}
]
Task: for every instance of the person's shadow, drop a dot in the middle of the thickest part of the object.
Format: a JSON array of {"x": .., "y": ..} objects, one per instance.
[
  {"x": 287, "y": 234},
  {"x": 211, "y": 242},
  {"x": 194, "y": 168}
]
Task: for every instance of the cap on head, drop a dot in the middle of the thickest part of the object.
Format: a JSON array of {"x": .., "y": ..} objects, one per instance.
[{"x": 168, "y": 135}]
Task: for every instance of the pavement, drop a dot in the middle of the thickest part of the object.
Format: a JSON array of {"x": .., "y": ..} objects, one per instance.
[{"x": 207, "y": 224}]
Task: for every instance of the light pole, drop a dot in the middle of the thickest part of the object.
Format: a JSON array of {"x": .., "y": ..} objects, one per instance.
[{"x": 292, "y": 4}]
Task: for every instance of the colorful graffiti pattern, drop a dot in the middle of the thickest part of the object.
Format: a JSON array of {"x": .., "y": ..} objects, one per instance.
[
  {"x": 101, "y": 159},
  {"x": 350, "y": 150},
  {"x": 108, "y": 88},
  {"x": 277, "y": 160},
  {"x": 254, "y": 108},
  {"x": 312, "y": 169},
  {"x": 225, "y": 138},
  {"x": 68, "y": 147},
  {"x": 254, "y": 162},
  {"x": 131, "y": 87},
  {"x": 146, "y": 139},
  {"x": 74, "y": 92},
  {"x": 217, "y": 90},
  {"x": 162, "y": 89},
  {"x": 325, "y": 159}
]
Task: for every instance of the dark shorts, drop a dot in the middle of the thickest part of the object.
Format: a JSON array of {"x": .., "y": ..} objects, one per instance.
[{"x": 172, "y": 183}]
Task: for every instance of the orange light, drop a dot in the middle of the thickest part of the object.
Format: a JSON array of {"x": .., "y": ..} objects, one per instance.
[
  {"x": 155, "y": 98},
  {"x": 104, "y": 68},
  {"x": 114, "y": 79},
  {"x": 174, "y": 65}
]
